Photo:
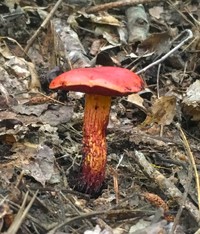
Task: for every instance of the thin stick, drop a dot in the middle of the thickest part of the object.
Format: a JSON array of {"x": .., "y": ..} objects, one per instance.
[
  {"x": 80, "y": 217},
  {"x": 185, "y": 194},
  {"x": 165, "y": 184},
  {"x": 93, "y": 214},
  {"x": 117, "y": 4},
  {"x": 14, "y": 41},
  {"x": 50, "y": 98},
  {"x": 31, "y": 218},
  {"x": 21, "y": 215},
  {"x": 190, "y": 35},
  {"x": 182, "y": 15},
  {"x": 42, "y": 26},
  {"x": 77, "y": 209},
  {"x": 158, "y": 95},
  {"x": 191, "y": 157},
  {"x": 158, "y": 80}
]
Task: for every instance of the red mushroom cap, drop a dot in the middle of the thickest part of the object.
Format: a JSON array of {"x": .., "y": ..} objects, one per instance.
[{"x": 108, "y": 81}]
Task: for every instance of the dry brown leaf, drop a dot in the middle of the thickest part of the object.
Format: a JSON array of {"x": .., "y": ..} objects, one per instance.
[
  {"x": 191, "y": 101},
  {"x": 108, "y": 33},
  {"x": 162, "y": 111},
  {"x": 157, "y": 43},
  {"x": 137, "y": 100},
  {"x": 193, "y": 94}
]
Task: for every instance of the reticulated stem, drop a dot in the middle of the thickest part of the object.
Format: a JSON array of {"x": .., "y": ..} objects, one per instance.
[{"x": 96, "y": 117}]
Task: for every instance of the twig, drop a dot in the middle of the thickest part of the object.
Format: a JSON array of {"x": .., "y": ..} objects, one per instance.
[
  {"x": 77, "y": 209},
  {"x": 31, "y": 218},
  {"x": 21, "y": 215},
  {"x": 52, "y": 99},
  {"x": 182, "y": 14},
  {"x": 80, "y": 217},
  {"x": 117, "y": 4},
  {"x": 165, "y": 184},
  {"x": 198, "y": 231},
  {"x": 114, "y": 174},
  {"x": 158, "y": 81},
  {"x": 14, "y": 41},
  {"x": 3, "y": 200},
  {"x": 108, "y": 213},
  {"x": 42, "y": 26},
  {"x": 189, "y": 179},
  {"x": 192, "y": 161},
  {"x": 70, "y": 191},
  {"x": 158, "y": 95},
  {"x": 190, "y": 35},
  {"x": 104, "y": 225},
  {"x": 185, "y": 194}
]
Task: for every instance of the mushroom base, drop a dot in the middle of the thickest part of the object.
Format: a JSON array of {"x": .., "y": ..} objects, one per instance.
[{"x": 96, "y": 116}]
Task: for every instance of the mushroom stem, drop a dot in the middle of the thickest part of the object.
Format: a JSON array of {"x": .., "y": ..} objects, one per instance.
[{"x": 96, "y": 116}]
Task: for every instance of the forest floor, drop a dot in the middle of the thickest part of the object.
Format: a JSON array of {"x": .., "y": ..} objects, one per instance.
[{"x": 153, "y": 137}]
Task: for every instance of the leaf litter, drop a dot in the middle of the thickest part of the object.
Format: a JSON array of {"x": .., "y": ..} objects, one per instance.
[{"x": 151, "y": 179}]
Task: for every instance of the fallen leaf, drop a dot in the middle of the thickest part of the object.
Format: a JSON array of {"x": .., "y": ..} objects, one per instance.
[
  {"x": 137, "y": 100},
  {"x": 156, "y": 11},
  {"x": 36, "y": 110},
  {"x": 157, "y": 43},
  {"x": 108, "y": 33},
  {"x": 163, "y": 111},
  {"x": 67, "y": 45}
]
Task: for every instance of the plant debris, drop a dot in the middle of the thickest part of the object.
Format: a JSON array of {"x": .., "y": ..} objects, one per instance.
[{"x": 153, "y": 137}]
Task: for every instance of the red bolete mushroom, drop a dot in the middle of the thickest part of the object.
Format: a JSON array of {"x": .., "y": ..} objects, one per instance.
[{"x": 99, "y": 84}]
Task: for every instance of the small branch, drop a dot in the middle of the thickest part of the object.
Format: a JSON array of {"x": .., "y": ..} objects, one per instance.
[
  {"x": 21, "y": 215},
  {"x": 42, "y": 26},
  {"x": 108, "y": 213},
  {"x": 16, "y": 207},
  {"x": 185, "y": 194},
  {"x": 190, "y": 35},
  {"x": 165, "y": 184},
  {"x": 117, "y": 4},
  {"x": 75, "y": 219}
]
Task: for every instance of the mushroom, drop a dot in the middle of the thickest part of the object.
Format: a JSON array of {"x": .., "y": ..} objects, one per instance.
[{"x": 99, "y": 84}]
